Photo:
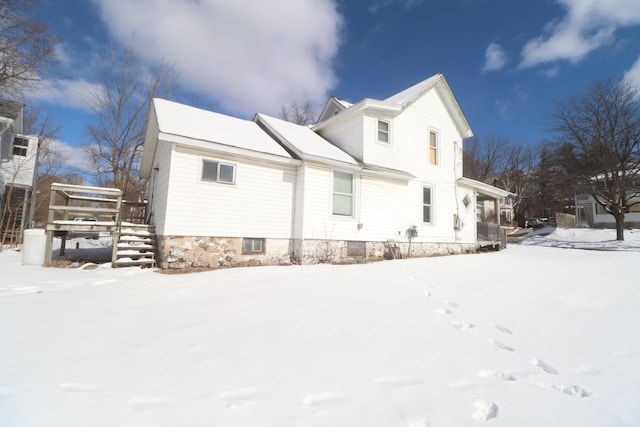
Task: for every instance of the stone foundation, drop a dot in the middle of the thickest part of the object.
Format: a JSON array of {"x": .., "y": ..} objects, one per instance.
[
  {"x": 343, "y": 252},
  {"x": 189, "y": 252},
  {"x": 185, "y": 253}
]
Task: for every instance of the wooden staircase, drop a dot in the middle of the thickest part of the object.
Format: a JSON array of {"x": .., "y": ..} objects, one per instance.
[{"x": 136, "y": 246}]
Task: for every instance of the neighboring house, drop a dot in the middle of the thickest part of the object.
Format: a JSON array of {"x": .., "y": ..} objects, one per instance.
[
  {"x": 371, "y": 180},
  {"x": 593, "y": 214},
  {"x": 18, "y": 160},
  {"x": 488, "y": 206}
]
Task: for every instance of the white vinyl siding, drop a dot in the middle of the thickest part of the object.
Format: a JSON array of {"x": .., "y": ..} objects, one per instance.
[
  {"x": 410, "y": 150},
  {"x": 19, "y": 166},
  {"x": 260, "y": 204},
  {"x": 384, "y": 131},
  {"x": 159, "y": 185},
  {"x": 218, "y": 172},
  {"x": 347, "y": 135}
]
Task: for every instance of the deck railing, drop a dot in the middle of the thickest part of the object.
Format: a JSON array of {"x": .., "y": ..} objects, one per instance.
[
  {"x": 71, "y": 203},
  {"x": 492, "y": 234}
]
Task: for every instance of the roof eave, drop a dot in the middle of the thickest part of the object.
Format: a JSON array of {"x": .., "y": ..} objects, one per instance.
[{"x": 484, "y": 188}]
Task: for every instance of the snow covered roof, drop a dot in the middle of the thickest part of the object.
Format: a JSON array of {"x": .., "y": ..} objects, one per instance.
[
  {"x": 484, "y": 188},
  {"x": 344, "y": 103},
  {"x": 395, "y": 104},
  {"x": 409, "y": 93},
  {"x": 304, "y": 142},
  {"x": 183, "y": 120}
]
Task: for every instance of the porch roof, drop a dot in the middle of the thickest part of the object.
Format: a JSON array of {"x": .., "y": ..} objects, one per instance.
[{"x": 483, "y": 188}]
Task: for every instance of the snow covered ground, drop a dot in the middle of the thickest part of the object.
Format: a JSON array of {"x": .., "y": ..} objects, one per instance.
[{"x": 541, "y": 334}]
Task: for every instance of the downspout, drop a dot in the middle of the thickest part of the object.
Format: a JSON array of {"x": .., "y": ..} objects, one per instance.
[
  {"x": 34, "y": 186},
  {"x": 455, "y": 190}
]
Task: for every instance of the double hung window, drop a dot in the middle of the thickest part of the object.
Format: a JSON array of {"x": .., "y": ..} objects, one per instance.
[
  {"x": 383, "y": 131},
  {"x": 427, "y": 201},
  {"x": 20, "y": 146},
  {"x": 433, "y": 148},
  {"x": 342, "y": 193}
]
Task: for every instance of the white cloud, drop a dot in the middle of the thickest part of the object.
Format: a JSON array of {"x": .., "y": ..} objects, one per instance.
[
  {"x": 249, "y": 56},
  {"x": 632, "y": 75},
  {"x": 72, "y": 157},
  {"x": 495, "y": 58},
  {"x": 587, "y": 25},
  {"x": 67, "y": 93}
]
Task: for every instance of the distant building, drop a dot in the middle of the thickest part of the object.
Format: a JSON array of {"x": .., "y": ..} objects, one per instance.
[
  {"x": 591, "y": 213},
  {"x": 18, "y": 165}
]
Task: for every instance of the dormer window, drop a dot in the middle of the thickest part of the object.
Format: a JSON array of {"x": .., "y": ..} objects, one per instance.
[{"x": 383, "y": 131}]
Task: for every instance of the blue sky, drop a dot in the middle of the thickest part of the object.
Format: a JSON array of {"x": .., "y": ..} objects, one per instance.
[{"x": 505, "y": 60}]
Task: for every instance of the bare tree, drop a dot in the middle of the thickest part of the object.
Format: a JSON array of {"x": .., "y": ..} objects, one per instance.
[
  {"x": 598, "y": 144},
  {"x": 486, "y": 160},
  {"x": 26, "y": 47},
  {"x": 52, "y": 165},
  {"x": 121, "y": 109},
  {"x": 299, "y": 114}
]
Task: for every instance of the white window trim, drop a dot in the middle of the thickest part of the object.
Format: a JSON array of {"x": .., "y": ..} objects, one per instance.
[
  {"x": 217, "y": 180},
  {"x": 23, "y": 148},
  {"x": 353, "y": 195},
  {"x": 389, "y": 132},
  {"x": 431, "y": 205},
  {"x": 437, "y": 133},
  {"x": 253, "y": 240}
]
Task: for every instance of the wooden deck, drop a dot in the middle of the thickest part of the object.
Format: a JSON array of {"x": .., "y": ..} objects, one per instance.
[{"x": 70, "y": 208}]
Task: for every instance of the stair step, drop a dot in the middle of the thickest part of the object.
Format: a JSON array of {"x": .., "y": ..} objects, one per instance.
[
  {"x": 123, "y": 245},
  {"x": 135, "y": 246},
  {"x": 135, "y": 239},
  {"x": 133, "y": 252},
  {"x": 128, "y": 262}
]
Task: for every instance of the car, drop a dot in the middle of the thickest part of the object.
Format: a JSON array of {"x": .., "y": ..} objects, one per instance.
[
  {"x": 84, "y": 234},
  {"x": 534, "y": 223}
]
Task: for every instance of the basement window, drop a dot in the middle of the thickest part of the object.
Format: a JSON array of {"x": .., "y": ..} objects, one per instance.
[{"x": 252, "y": 246}]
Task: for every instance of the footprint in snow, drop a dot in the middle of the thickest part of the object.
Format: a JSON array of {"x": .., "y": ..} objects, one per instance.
[
  {"x": 463, "y": 326},
  {"x": 544, "y": 366},
  {"x": 451, "y": 304},
  {"x": 501, "y": 346},
  {"x": 427, "y": 294},
  {"x": 497, "y": 374},
  {"x": 570, "y": 390},
  {"x": 442, "y": 311},
  {"x": 321, "y": 399},
  {"x": 503, "y": 329},
  {"x": 240, "y": 396},
  {"x": 485, "y": 410}
]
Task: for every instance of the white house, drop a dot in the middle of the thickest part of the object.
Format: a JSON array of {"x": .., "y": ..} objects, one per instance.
[
  {"x": 371, "y": 180},
  {"x": 18, "y": 165},
  {"x": 593, "y": 214}
]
